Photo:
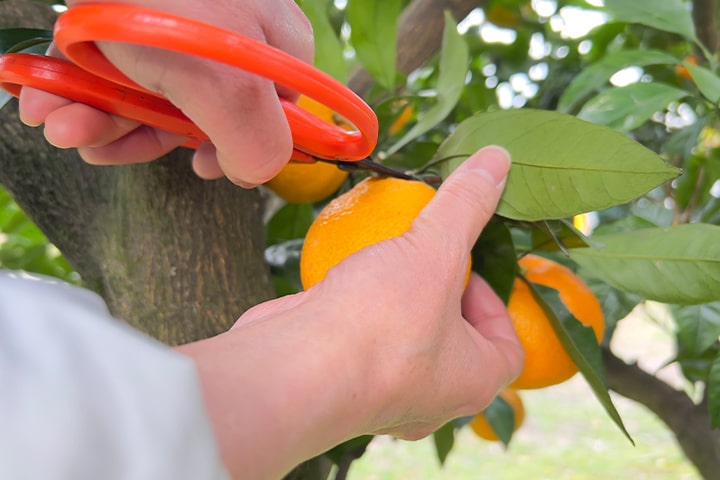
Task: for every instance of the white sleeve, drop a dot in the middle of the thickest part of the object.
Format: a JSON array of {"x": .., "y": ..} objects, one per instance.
[{"x": 83, "y": 396}]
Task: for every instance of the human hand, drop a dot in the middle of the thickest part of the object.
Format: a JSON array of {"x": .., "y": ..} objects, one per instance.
[
  {"x": 434, "y": 351},
  {"x": 240, "y": 112},
  {"x": 388, "y": 343}
]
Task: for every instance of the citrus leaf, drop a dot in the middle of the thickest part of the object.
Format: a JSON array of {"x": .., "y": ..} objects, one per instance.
[
  {"x": 678, "y": 264},
  {"x": 501, "y": 417},
  {"x": 444, "y": 439},
  {"x": 713, "y": 386},
  {"x": 373, "y": 34},
  {"x": 580, "y": 343},
  {"x": 667, "y": 15},
  {"x": 292, "y": 221},
  {"x": 562, "y": 166},
  {"x": 598, "y": 74},
  {"x": 615, "y": 303},
  {"x": 556, "y": 235},
  {"x": 452, "y": 72},
  {"x": 350, "y": 449},
  {"x": 707, "y": 82},
  {"x": 698, "y": 325},
  {"x": 627, "y": 108},
  {"x": 328, "y": 50},
  {"x": 19, "y": 39},
  {"x": 494, "y": 258}
]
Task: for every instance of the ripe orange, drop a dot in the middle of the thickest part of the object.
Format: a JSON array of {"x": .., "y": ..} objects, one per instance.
[
  {"x": 406, "y": 114},
  {"x": 481, "y": 426},
  {"x": 681, "y": 70},
  {"x": 308, "y": 182},
  {"x": 374, "y": 210},
  {"x": 546, "y": 360}
]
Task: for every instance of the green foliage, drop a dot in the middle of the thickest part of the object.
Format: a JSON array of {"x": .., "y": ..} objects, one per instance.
[
  {"x": 598, "y": 169},
  {"x": 598, "y": 122},
  {"x": 24, "y": 247}
]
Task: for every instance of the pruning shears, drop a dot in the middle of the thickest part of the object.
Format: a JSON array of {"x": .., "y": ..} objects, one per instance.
[{"x": 88, "y": 77}]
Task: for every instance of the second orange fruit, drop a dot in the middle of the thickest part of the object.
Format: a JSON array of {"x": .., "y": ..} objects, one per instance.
[{"x": 546, "y": 360}]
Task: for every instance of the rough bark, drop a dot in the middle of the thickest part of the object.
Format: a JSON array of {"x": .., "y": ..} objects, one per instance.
[{"x": 689, "y": 422}]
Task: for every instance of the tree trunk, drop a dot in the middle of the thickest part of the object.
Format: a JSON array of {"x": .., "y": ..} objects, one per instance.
[{"x": 177, "y": 257}]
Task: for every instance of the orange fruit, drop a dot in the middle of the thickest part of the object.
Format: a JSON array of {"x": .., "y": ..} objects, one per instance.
[
  {"x": 372, "y": 211},
  {"x": 481, "y": 426},
  {"x": 406, "y": 114},
  {"x": 308, "y": 182},
  {"x": 681, "y": 70},
  {"x": 546, "y": 360}
]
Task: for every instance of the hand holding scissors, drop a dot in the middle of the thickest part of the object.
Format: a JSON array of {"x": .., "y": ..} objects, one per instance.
[{"x": 91, "y": 79}]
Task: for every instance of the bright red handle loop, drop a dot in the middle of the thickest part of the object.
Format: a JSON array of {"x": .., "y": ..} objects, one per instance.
[{"x": 77, "y": 29}]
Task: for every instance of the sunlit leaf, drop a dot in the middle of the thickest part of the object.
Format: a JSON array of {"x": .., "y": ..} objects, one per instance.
[
  {"x": 598, "y": 74},
  {"x": 629, "y": 107},
  {"x": 706, "y": 80},
  {"x": 562, "y": 166},
  {"x": 452, "y": 71},
  {"x": 328, "y": 49},
  {"x": 679, "y": 264},
  {"x": 580, "y": 343},
  {"x": 373, "y": 34},
  {"x": 667, "y": 15}
]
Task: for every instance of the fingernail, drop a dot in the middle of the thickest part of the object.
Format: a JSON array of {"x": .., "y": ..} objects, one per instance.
[{"x": 492, "y": 162}]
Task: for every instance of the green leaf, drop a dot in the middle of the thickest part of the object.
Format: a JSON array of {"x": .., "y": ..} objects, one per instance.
[
  {"x": 615, "y": 303},
  {"x": 627, "y": 108},
  {"x": 556, "y": 235},
  {"x": 580, "y": 343},
  {"x": 667, "y": 15},
  {"x": 707, "y": 82},
  {"x": 598, "y": 74},
  {"x": 679, "y": 264},
  {"x": 351, "y": 449},
  {"x": 698, "y": 325},
  {"x": 452, "y": 72},
  {"x": 494, "y": 259},
  {"x": 31, "y": 40},
  {"x": 284, "y": 261},
  {"x": 562, "y": 166},
  {"x": 444, "y": 439},
  {"x": 373, "y": 34},
  {"x": 329, "y": 55},
  {"x": 501, "y": 417},
  {"x": 713, "y": 387},
  {"x": 292, "y": 221},
  {"x": 19, "y": 39}
]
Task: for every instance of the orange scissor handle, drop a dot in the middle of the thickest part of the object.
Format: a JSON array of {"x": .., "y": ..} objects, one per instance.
[{"x": 93, "y": 80}]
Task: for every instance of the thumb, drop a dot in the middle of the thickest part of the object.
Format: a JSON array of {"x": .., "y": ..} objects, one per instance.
[{"x": 468, "y": 197}]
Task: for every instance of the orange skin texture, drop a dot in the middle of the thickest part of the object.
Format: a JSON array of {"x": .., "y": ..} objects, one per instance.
[{"x": 374, "y": 210}]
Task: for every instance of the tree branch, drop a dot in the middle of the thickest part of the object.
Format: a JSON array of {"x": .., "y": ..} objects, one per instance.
[
  {"x": 704, "y": 14},
  {"x": 689, "y": 422}
]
